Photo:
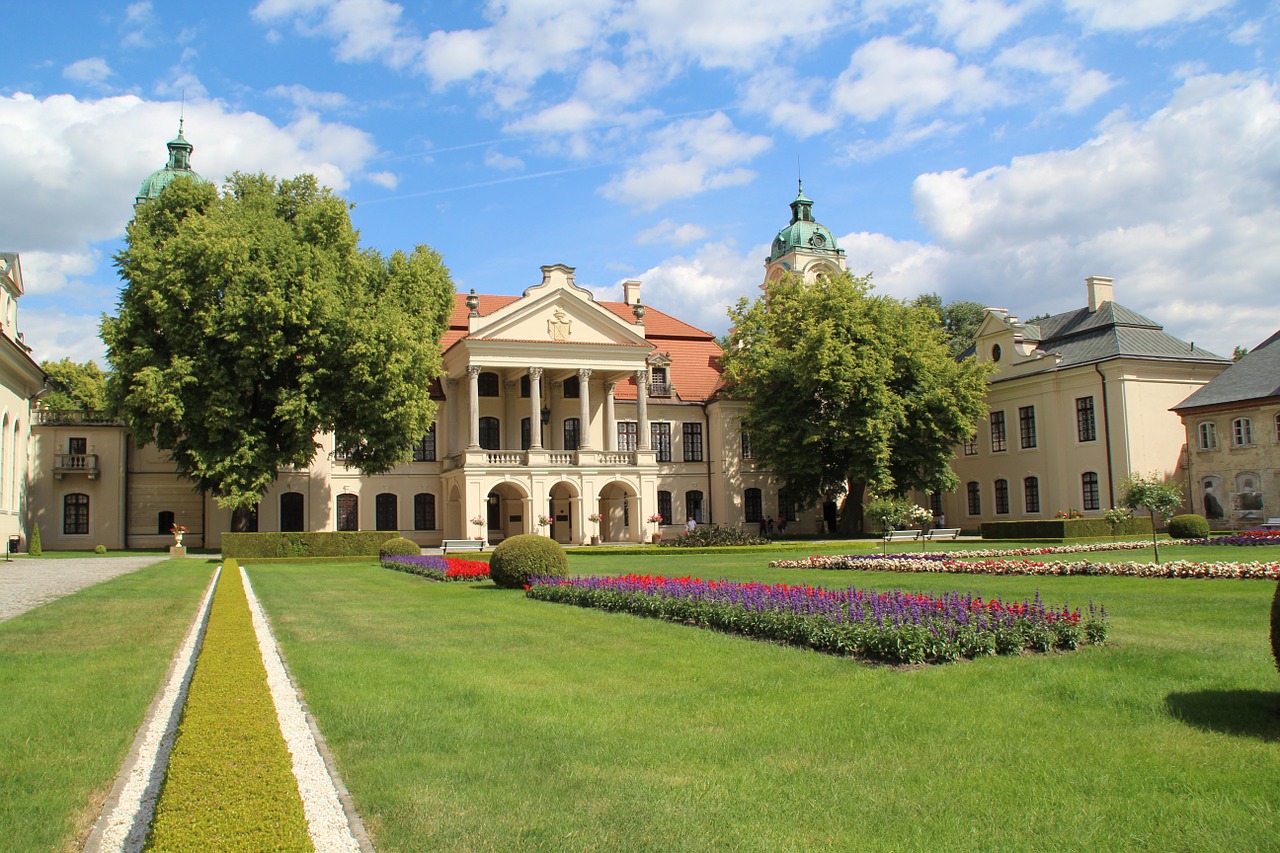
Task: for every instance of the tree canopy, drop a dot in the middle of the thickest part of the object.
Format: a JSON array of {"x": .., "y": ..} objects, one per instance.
[
  {"x": 1152, "y": 493},
  {"x": 74, "y": 386},
  {"x": 251, "y": 321},
  {"x": 959, "y": 320},
  {"x": 845, "y": 390}
]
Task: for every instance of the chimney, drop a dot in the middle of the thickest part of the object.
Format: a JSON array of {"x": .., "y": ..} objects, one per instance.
[
  {"x": 1100, "y": 291},
  {"x": 631, "y": 291}
]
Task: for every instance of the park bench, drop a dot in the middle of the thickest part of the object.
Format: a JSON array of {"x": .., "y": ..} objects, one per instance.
[
  {"x": 462, "y": 545},
  {"x": 901, "y": 535},
  {"x": 943, "y": 533},
  {"x": 1271, "y": 524}
]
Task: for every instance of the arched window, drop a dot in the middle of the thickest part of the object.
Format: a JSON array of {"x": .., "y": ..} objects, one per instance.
[
  {"x": 1208, "y": 436},
  {"x": 75, "y": 515},
  {"x": 292, "y": 519},
  {"x": 753, "y": 504},
  {"x": 1089, "y": 496},
  {"x": 487, "y": 384},
  {"x": 1242, "y": 432},
  {"x": 693, "y": 506},
  {"x": 490, "y": 434},
  {"x": 164, "y": 522},
  {"x": 1002, "y": 497},
  {"x": 16, "y": 470},
  {"x": 974, "y": 492},
  {"x": 571, "y": 436},
  {"x": 1278, "y": 427},
  {"x": 664, "y": 506},
  {"x": 1031, "y": 494},
  {"x": 385, "y": 513},
  {"x": 348, "y": 512},
  {"x": 424, "y": 511},
  {"x": 4, "y": 444}
]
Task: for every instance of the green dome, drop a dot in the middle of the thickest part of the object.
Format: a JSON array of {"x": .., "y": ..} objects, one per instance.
[
  {"x": 179, "y": 165},
  {"x": 804, "y": 233}
]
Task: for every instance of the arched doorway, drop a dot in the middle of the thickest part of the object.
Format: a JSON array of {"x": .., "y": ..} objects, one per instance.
[
  {"x": 619, "y": 505},
  {"x": 504, "y": 511},
  {"x": 566, "y": 527}
]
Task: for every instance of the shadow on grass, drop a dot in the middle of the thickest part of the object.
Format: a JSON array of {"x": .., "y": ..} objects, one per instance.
[{"x": 1245, "y": 713}]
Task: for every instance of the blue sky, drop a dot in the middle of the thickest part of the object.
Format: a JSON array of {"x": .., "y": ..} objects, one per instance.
[{"x": 991, "y": 150}]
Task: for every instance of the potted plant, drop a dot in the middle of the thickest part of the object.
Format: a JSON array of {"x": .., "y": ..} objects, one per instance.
[
  {"x": 595, "y": 518},
  {"x": 478, "y": 521},
  {"x": 178, "y": 530},
  {"x": 544, "y": 521},
  {"x": 656, "y": 520}
]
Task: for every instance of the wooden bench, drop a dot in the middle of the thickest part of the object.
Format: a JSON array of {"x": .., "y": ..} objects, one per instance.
[
  {"x": 1271, "y": 524},
  {"x": 943, "y": 533},
  {"x": 462, "y": 545},
  {"x": 901, "y": 535}
]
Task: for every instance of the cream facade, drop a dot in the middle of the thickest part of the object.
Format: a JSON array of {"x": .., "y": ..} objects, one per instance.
[
  {"x": 21, "y": 382},
  {"x": 1077, "y": 402}
]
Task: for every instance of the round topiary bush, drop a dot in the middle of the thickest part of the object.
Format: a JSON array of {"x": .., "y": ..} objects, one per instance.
[
  {"x": 399, "y": 547},
  {"x": 519, "y": 558},
  {"x": 1188, "y": 526},
  {"x": 99, "y": 549}
]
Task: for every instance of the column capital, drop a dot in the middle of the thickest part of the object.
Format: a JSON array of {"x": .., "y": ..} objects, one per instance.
[
  {"x": 610, "y": 388},
  {"x": 584, "y": 373},
  {"x": 474, "y": 370},
  {"x": 535, "y": 372}
]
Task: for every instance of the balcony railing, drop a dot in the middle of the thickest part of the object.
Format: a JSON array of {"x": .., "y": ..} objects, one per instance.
[
  {"x": 58, "y": 417},
  {"x": 550, "y": 458},
  {"x": 661, "y": 389},
  {"x": 75, "y": 463}
]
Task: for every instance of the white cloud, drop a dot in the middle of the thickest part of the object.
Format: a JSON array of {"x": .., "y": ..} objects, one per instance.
[
  {"x": 387, "y": 180},
  {"x": 1180, "y": 208},
  {"x": 887, "y": 76},
  {"x": 495, "y": 159},
  {"x": 667, "y": 231},
  {"x": 55, "y": 334},
  {"x": 306, "y": 98},
  {"x": 1051, "y": 58},
  {"x": 686, "y": 158},
  {"x": 975, "y": 24},
  {"x": 93, "y": 71},
  {"x": 700, "y": 289},
  {"x": 1141, "y": 14}
]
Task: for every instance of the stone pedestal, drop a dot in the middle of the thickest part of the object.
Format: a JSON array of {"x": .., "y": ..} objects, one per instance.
[{"x": 177, "y": 550}]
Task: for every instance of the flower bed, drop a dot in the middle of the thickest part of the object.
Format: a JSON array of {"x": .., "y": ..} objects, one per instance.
[
  {"x": 439, "y": 568},
  {"x": 1247, "y": 538},
  {"x": 813, "y": 562},
  {"x": 893, "y": 627},
  {"x": 945, "y": 564}
]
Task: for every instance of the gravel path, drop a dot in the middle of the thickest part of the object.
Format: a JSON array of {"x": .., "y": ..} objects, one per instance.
[{"x": 29, "y": 582}]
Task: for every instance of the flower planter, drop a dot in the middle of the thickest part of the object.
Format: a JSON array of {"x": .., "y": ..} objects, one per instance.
[
  {"x": 657, "y": 537},
  {"x": 595, "y": 540}
]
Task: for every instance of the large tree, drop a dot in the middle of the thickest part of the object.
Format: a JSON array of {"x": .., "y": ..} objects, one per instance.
[
  {"x": 959, "y": 320},
  {"x": 74, "y": 386},
  {"x": 846, "y": 390},
  {"x": 251, "y": 321}
]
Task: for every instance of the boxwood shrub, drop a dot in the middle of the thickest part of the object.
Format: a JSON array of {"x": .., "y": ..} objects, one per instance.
[
  {"x": 399, "y": 547},
  {"x": 1064, "y": 528},
  {"x": 528, "y": 555},
  {"x": 363, "y": 543},
  {"x": 1190, "y": 526}
]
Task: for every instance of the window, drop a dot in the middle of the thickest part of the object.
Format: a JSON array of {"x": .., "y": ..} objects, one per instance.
[
  {"x": 526, "y": 433},
  {"x": 627, "y": 436},
  {"x": 487, "y": 384},
  {"x": 1031, "y": 494},
  {"x": 164, "y": 522},
  {"x": 997, "y": 432},
  {"x": 693, "y": 505},
  {"x": 1208, "y": 436},
  {"x": 692, "y": 442},
  {"x": 490, "y": 434},
  {"x": 746, "y": 445},
  {"x": 572, "y": 388},
  {"x": 291, "y": 517},
  {"x": 424, "y": 511},
  {"x": 1277, "y": 427},
  {"x": 1002, "y": 497},
  {"x": 1027, "y": 426},
  {"x": 753, "y": 503},
  {"x": 1086, "y": 425},
  {"x": 75, "y": 515},
  {"x": 935, "y": 504},
  {"x": 341, "y": 448},
  {"x": 975, "y": 498},
  {"x": 658, "y": 382},
  {"x": 385, "y": 514},
  {"x": 786, "y": 506},
  {"x": 1242, "y": 432},
  {"x": 424, "y": 449},
  {"x": 571, "y": 437},
  {"x": 661, "y": 435},
  {"x": 348, "y": 512},
  {"x": 76, "y": 446},
  {"x": 664, "y": 506},
  {"x": 1089, "y": 490},
  {"x": 971, "y": 445},
  {"x": 524, "y": 386}
]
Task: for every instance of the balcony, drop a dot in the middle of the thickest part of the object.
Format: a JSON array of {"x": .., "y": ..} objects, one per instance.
[
  {"x": 75, "y": 463},
  {"x": 544, "y": 458},
  {"x": 61, "y": 417},
  {"x": 661, "y": 389}
]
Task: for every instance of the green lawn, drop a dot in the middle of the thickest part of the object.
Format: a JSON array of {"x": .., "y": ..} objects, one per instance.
[
  {"x": 76, "y": 678},
  {"x": 466, "y": 718}
]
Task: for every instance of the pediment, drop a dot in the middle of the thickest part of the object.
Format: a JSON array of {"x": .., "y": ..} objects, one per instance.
[{"x": 557, "y": 317}]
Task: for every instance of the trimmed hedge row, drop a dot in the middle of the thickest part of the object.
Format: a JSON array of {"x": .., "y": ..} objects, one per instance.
[
  {"x": 363, "y": 543},
  {"x": 1064, "y": 528}
]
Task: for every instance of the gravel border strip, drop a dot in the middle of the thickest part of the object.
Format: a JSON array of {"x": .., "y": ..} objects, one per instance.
[
  {"x": 332, "y": 820},
  {"x": 126, "y": 815}
]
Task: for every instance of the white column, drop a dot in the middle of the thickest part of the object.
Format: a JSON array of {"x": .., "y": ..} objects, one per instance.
[
  {"x": 610, "y": 419},
  {"x": 535, "y": 412},
  {"x": 450, "y": 418},
  {"x": 642, "y": 410},
  {"x": 584, "y": 408},
  {"x": 473, "y": 405},
  {"x": 511, "y": 435}
]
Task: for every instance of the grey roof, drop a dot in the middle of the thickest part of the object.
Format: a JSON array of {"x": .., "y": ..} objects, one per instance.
[
  {"x": 1254, "y": 377},
  {"x": 1081, "y": 337}
]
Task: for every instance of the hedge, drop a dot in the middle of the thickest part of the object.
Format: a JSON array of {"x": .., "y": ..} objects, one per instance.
[
  {"x": 1064, "y": 528},
  {"x": 363, "y": 543}
]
